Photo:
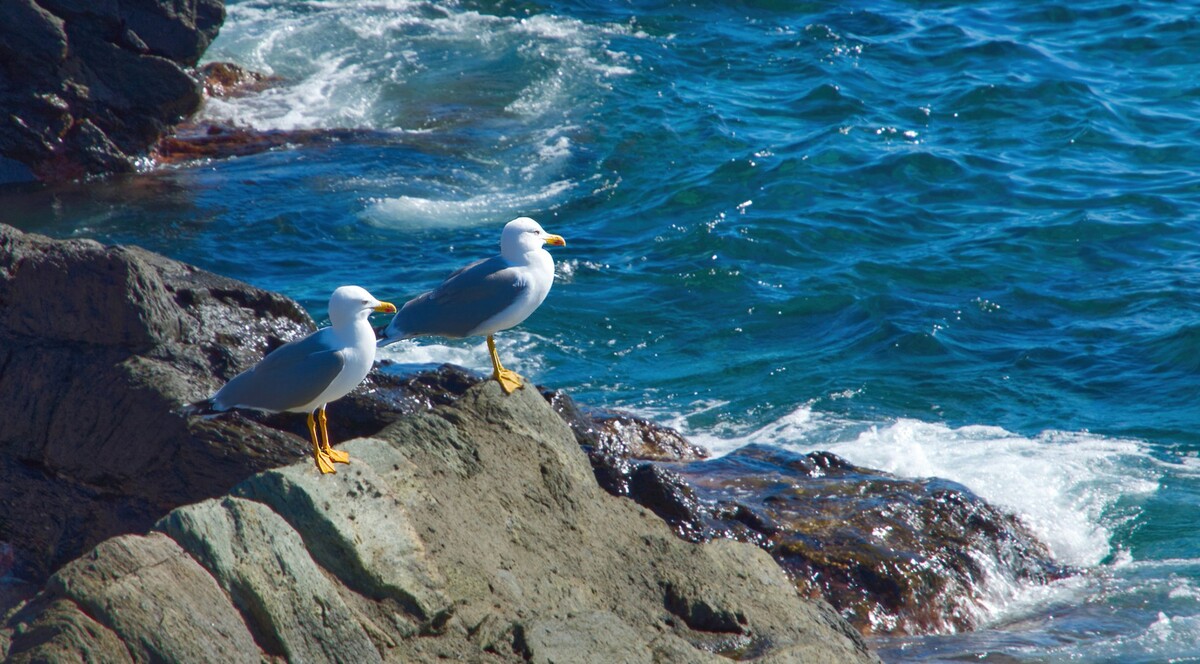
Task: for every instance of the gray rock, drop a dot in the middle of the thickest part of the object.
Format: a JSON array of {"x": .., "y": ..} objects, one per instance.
[
  {"x": 358, "y": 527},
  {"x": 262, "y": 564},
  {"x": 594, "y": 636},
  {"x": 62, "y": 632},
  {"x": 510, "y": 512},
  {"x": 99, "y": 347},
  {"x": 472, "y": 532},
  {"x": 157, "y": 600}
]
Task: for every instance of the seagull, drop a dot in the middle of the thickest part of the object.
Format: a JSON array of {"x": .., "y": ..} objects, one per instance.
[
  {"x": 486, "y": 296},
  {"x": 304, "y": 375}
]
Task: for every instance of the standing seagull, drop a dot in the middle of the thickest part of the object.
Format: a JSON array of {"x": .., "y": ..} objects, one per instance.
[
  {"x": 486, "y": 296},
  {"x": 304, "y": 375}
]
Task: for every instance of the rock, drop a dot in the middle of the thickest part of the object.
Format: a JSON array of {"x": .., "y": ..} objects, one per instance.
[
  {"x": 88, "y": 87},
  {"x": 614, "y": 441},
  {"x": 895, "y": 556},
  {"x": 161, "y": 603},
  {"x": 205, "y": 140},
  {"x": 595, "y": 636},
  {"x": 474, "y": 531},
  {"x": 61, "y": 632},
  {"x": 225, "y": 79},
  {"x": 261, "y": 563},
  {"x": 365, "y": 536},
  {"x": 99, "y": 347}
]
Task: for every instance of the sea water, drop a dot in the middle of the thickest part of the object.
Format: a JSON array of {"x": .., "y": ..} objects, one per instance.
[{"x": 941, "y": 239}]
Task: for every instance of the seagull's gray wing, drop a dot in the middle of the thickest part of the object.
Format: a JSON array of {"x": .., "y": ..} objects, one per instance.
[
  {"x": 289, "y": 377},
  {"x": 461, "y": 303}
]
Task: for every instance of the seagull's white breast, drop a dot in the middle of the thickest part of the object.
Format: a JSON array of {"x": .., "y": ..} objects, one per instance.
[
  {"x": 357, "y": 347},
  {"x": 537, "y": 276}
]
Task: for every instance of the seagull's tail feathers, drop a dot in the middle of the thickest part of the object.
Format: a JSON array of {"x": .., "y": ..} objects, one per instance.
[
  {"x": 389, "y": 334},
  {"x": 204, "y": 408}
]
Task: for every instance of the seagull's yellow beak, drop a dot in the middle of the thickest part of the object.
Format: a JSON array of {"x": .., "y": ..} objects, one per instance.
[
  {"x": 555, "y": 240},
  {"x": 386, "y": 308}
]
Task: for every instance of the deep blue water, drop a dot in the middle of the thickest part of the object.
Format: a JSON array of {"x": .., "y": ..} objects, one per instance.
[{"x": 939, "y": 239}]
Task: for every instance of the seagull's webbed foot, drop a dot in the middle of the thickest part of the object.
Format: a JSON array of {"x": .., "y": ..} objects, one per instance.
[
  {"x": 324, "y": 463},
  {"x": 336, "y": 456},
  {"x": 509, "y": 380}
]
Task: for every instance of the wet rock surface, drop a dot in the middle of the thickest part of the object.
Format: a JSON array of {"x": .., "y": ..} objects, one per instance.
[
  {"x": 88, "y": 87},
  {"x": 894, "y": 555}
]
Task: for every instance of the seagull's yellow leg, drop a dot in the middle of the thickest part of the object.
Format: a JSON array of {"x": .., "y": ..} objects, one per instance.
[
  {"x": 337, "y": 456},
  {"x": 323, "y": 463},
  {"x": 509, "y": 380}
]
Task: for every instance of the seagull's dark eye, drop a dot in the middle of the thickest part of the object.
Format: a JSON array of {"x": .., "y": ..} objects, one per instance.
[{"x": 366, "y": 302}]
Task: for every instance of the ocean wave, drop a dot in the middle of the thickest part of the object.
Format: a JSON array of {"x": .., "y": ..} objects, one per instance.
[
  {"x": 1072, "y": 488},
  {"x": 414, "y": 212},
  {"x": 401, "y": 64},
  {"x": 517, "y": 349}
]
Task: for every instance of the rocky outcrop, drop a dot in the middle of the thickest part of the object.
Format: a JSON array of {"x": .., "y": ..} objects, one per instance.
[
  {"x": 98, "y": 348},
  {"x": 88, "y": 86},
  {"x": 894, "y": 555},
  {"x": 475, "y": 531}
]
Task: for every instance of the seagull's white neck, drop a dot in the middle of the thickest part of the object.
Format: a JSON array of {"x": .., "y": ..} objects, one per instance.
[
  {"x": 355, "y": 329},
  {"x": 532, "y": 256}
]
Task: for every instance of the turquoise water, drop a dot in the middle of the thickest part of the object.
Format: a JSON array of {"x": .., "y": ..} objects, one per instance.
[{"x": 936, "y": 239}]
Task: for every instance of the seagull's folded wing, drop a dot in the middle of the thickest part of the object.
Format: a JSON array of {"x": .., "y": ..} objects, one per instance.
[
  {"x": 289, "y": 377},
  {"x": 460, "y": 304}
]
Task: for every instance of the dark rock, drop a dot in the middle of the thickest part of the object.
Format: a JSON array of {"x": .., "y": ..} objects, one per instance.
[
  {"x": 99, "y": 346},
  {"x": 614, "y": 441},
  {"x": 622, "y": 434},
  {"x": 225, "y": 79},
  {"x": 895, "y": 556},
  {"x": 178, "y": 30},
  {"x": 88, "y": 87}
]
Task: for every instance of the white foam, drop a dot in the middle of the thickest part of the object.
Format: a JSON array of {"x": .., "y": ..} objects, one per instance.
[
  {"x": 327, "y": 97},
  {"x": 1064, "y": 485},
  {"x": 337, "y": 57},
  {"x": 1070, "y": 488},
  {"x": 415, "y": 212},
  {"x": 513, "y": 346}
]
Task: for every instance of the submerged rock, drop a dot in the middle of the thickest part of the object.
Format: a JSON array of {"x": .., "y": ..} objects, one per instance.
[{"x": 87, "y": 87}]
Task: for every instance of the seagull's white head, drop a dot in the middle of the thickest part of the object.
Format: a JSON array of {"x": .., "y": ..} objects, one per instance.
[
  {"x": 351, "y": 303},
  {"x": 523, "y": 235}
]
